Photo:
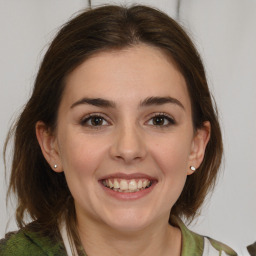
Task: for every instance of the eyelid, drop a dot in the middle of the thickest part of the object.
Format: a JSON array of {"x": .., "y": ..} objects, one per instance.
[
  {"x": 87, "y": 117},
  {"x": 170, "y": 118}
]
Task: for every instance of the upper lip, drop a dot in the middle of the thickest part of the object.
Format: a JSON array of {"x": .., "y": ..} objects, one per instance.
[{"x": 128, "y": 176}]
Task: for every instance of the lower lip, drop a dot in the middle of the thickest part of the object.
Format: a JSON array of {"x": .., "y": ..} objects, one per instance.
[{"x": 129, "y": 195}]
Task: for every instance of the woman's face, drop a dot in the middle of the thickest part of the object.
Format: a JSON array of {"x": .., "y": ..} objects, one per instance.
[{"x": 125, "y": 139}]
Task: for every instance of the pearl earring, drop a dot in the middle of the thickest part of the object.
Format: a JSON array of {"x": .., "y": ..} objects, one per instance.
[
  {"x": 192, "y": 168},
  {"x": 55, "y": 166}
]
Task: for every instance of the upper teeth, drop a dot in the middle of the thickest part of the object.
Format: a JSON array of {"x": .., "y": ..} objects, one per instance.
[{"x": 123, "y": 185}]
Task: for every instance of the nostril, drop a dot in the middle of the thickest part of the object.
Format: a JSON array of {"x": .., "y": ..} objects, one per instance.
[{"x": 127, "y": 144}]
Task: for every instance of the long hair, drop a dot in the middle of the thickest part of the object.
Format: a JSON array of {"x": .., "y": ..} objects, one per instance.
[{"x": 42, "y": 193}]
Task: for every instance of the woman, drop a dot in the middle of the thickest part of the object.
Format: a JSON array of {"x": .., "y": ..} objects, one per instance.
[{"x": 118, "y": 141}]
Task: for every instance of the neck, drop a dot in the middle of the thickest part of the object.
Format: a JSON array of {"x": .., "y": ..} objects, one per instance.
[{"x": 158, "y": 239}]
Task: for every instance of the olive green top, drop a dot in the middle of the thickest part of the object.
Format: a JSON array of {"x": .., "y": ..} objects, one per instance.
[{"x": 26, "y": 243}]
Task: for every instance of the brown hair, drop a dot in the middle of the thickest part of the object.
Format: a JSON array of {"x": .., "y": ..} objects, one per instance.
[{"x": 42, "y": 193}]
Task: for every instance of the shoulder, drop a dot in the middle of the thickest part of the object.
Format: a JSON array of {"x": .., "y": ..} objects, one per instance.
[
  {"x": 18, "y": 243},
  {"x": 252, "y": 249},
  {"x": 220, "y": 247},
  {"x": 195, "y": 244},
  {"x": 26, "y": 242},
  {"x": 216, "y": 246}
]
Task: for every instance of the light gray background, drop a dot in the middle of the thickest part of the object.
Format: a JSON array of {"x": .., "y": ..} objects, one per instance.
[{"x": 225, "y": 33}]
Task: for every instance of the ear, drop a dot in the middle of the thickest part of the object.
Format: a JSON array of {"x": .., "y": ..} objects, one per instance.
[
  {"x": 49, "y": 146},
  {"x": 198, "y": 146}
]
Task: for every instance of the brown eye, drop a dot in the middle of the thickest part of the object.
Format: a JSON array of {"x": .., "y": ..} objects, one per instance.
[
  {"x": 161, "y": 120},
  {"x": 94, "y": 120}
]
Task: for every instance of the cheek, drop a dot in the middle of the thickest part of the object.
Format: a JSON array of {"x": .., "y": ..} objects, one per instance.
[
  {"x": 81, "y": 156},
  {"x": 172, "y": 155},
  {"x": 173, "y": 166},
  {"x": 80, "y": 159}
]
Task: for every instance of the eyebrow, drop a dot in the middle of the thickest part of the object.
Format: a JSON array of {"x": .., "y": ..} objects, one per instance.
[
  {"x": 160, "y": 101},
  {"x": 99, "y": 102}
]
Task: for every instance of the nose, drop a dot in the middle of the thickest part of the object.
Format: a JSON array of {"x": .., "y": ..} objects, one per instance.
[{"x": 128, "y": 144}]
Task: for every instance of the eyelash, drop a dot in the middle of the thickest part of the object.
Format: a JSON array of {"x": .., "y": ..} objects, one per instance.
[
  {"x": 169, "y": 119},
  {"x": 86, "y": 119}
]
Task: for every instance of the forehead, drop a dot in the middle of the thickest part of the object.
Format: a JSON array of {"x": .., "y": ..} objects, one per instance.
[{"x": 128, "y": 74}]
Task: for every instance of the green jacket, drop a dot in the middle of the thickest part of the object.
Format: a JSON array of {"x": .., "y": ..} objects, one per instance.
[{"x": 27, "y": 243}]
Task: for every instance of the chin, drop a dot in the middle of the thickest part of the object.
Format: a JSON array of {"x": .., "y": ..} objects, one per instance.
[{"x": 128, "y": 221}]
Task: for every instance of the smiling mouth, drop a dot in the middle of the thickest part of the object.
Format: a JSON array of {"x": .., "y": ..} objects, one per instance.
[{"x": 127, "y": 186}]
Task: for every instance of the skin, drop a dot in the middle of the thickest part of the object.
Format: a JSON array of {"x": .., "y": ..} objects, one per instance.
[{"x": 128, "y": 140}]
